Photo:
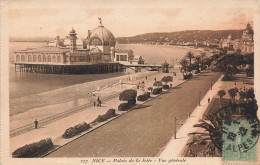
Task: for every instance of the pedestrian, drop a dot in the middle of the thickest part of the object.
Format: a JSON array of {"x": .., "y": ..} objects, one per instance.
[
  {"x": 235, "y": 83},
  {"x": 36, "y": 124},
  {"x": 154, "y": 79},
  {"x": 146, "y": 77},
  {"x": 208, "y": 100},
  {"x": 171, "y": 85},
  {"x": 94, "y": 103}
]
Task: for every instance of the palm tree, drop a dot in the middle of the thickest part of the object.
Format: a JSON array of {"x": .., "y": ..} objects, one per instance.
[
  {"x": 202, "y": 55},
  {"x": 232, "y": 93},
  {"x": 190, "y": 56},
  {"x": 242, "y": 96},
  {"x": 221, "y": 93},
  {"x": 198, "y": 62},
  {"x": 184, "y": 65},
  {"x": 212, "y": 131}
]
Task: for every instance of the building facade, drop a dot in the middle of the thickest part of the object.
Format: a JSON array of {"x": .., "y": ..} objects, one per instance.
[
  {"x": 97, "y": 49},
  {"x": 245, "y": 44}
]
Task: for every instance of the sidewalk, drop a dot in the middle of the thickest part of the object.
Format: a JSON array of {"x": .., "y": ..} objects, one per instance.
[
  {"x": 55, "y": 129},
  {"x": 176, "y": 146}
]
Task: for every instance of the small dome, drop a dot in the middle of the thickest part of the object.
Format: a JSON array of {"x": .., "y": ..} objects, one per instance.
[{"x": 102, "y": 33}]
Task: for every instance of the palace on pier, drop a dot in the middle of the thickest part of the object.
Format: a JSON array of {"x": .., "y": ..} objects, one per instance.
[{"x": 96, "y": 54}]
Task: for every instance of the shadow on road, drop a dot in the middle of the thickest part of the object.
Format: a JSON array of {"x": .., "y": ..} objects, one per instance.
[{"x": 142, "y": 106}]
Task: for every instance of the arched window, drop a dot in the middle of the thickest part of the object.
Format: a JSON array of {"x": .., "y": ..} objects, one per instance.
[
  {"x": 23, "y": 58},
  {"x": 29, "y": 58},
  {"x": 58, "y": 59},
  {"x": 53, "y": 58},
  {"x": 106, "y": 43},
  {"x": 49, "y": 58},
  {"x": 34, "y": 58},
  {"x": 17, "y": 58},
  {"x": 44, "y": 58},
  {"x": 39, "y": 58}
]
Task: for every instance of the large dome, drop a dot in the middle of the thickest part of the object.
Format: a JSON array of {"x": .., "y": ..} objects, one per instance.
[{"x": 102, "y": 33}]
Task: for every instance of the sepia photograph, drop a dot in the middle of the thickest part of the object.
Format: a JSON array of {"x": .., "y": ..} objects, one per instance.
[{"x": 130, "y": 82}]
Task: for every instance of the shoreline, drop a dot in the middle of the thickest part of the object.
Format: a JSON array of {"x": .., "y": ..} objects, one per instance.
[{"x": 66, "y": 94}]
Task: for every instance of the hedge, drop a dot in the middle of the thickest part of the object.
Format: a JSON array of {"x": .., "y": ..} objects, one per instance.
[
  {"x": 166, "y": 87},
  {"x": 157, "y": 91},
  {"x": 124, "y": 107},
  {"x": 185, "y": 77},
  {"x": 34, "y": 149},
  {"x": 143, "y": 97},
  {"x": 77, "y": 129},
  {"x": 110, "y": 113}
]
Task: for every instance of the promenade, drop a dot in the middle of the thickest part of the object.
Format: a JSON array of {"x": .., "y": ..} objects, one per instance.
[
  {"x": 145, "y": 131},
  {"x": 56, "y": 128}
]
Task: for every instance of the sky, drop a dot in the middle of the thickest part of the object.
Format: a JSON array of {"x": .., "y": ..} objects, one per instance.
[{"x": 49, "y": 18}]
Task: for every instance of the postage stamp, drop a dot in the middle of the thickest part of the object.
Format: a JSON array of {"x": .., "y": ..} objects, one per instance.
[{"x": 240, "y": 140}]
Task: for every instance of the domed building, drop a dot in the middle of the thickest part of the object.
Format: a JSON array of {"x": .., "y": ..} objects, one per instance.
[
  {"x": 95, "y": 54},
  {"x": 102, "y": 40},
  {"x": 245, "y": 44}
]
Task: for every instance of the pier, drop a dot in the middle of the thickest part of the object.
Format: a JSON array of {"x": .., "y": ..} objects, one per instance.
[
  {"x": 69, "y": 69},
  {"x": 80, "y": 69}
]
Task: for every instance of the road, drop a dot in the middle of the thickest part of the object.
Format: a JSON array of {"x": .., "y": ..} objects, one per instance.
[{"x": 143, "y": 132}]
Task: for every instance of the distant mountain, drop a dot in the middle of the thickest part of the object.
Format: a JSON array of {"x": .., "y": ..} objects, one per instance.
[
  {"x": 182, "y": 36},
  {"x": 31, "y": 39}
]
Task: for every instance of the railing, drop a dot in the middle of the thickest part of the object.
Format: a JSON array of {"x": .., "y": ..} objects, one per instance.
[
  {"x": 58, "y": 116},
  {"x": 64, "y": 114}
]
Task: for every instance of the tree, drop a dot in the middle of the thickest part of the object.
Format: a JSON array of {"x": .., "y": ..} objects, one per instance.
[
  {"x": 184, "y": 65},
  {"x": 128, "y": 95},
  {"x": 232, "y": 93},
  {"x": 213, "y": 131},
  {"x": 221, "y": 93},
  {"x": 242, "y": 96},
  {"x": 190, "y": 56},
  {"x": 202, "y": 55},
  {"x": 250, "y": 94},
  {"x": 167, "y": 79},
  {"x": 157, "y": 83},
  {"x": 198, "y": 61}
]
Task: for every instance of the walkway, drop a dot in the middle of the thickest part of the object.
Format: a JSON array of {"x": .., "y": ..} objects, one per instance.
[
  {"x": 55, "y": 129},
  {"x": 145, "y": 131}
]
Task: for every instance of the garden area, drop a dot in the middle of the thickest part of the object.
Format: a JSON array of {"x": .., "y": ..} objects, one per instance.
[{"x": 235, "y": 101}]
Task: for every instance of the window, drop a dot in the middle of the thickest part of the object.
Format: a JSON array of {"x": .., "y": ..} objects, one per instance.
[
  {"x": 39, "y": 58},
  {"x": 34, "y": 58},
  {"x": 17, "y": 58},
  {"x": 44, "y": 58},
  {"x": 117, "y": 57},
  {"x": 123, "y": 58},
  {"x": 29, "y": 58},
  {"x": 53, "y": 58},
  {"x": 49, "y": 59},
  {"x": 58, "y": 59},
  {"x": 22, "y": 58},
  {"x": 96, "y": 41},
  {"x": 106, "y": 43}
]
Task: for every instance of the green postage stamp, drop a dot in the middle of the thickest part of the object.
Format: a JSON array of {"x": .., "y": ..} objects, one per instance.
[{"x": 240, "y": 140}]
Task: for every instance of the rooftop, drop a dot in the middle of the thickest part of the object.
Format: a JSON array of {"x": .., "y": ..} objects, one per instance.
[{"x": 46, "y": 50}]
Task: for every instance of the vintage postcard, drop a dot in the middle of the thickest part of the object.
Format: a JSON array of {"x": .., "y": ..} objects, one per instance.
[{"x": 130, "y": 82}]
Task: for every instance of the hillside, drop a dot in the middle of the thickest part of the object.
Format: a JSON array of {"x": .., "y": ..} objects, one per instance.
[{"x": 182, "y": 36}]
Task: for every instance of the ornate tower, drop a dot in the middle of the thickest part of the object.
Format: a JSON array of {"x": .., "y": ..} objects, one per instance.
[
  {"x": 112, "y": 54},
  {"x": 73, "y": 38}
]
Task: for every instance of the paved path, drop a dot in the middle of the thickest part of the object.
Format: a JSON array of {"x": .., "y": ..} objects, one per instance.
[
  {"x": 55, "y": 129},
  {"x": 145, "y": 131},
  {"x": 182, "y": 135}
]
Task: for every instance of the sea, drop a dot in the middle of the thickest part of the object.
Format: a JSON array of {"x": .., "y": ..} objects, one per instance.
[{"x": 25, "y": 84}]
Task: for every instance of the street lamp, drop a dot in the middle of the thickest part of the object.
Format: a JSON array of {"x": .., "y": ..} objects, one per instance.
[
  {"x": 199, "y": 98},
  {"x": 175, "y": 119},
  {"x": 211, "y": 85}
]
